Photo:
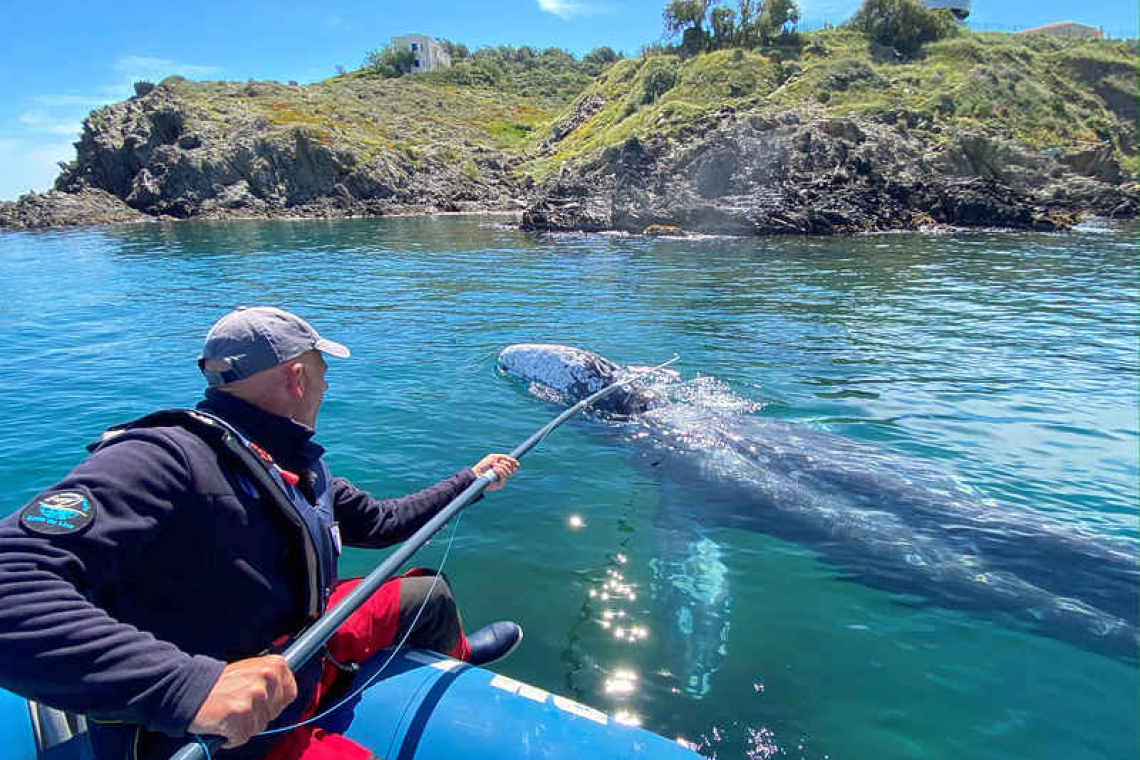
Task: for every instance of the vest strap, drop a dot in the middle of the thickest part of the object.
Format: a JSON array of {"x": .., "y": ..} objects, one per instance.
[{"x": 227, "y": 441}]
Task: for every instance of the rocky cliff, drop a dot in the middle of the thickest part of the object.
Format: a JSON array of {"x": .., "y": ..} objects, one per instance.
[
  {"x": 807, "y": 173},
  {"x": 981, "y": 130},
  {"x": 213, "y": 150},
  {"x": 832, "y": 136}
]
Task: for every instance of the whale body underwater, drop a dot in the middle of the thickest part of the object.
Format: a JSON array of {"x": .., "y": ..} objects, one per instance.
[{"x": 878, "y": 518}]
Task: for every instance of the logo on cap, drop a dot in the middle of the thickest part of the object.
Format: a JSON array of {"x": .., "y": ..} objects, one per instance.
[{"x": 59, "y": 512}]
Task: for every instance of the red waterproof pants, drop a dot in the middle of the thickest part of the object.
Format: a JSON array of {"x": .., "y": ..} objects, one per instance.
[{"x": 380, "y": 622}]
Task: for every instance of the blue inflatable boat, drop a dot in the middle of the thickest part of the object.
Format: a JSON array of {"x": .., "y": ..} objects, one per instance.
[{"x": 423, "y": 705}]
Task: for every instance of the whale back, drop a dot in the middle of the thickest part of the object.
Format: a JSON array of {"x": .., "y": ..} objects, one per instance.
[{"x": 567, "y": 375}]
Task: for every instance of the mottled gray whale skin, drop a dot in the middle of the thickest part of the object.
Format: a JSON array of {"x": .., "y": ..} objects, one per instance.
[{"x": 881, "y": 519}]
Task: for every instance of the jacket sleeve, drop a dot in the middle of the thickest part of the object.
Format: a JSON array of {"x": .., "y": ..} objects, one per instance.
[
  {"x": 368, "y": 522},
  {"x": 57, "y": 644}
]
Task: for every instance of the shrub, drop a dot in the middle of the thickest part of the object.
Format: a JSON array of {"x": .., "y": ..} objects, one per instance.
[
  {"x": 600, "y": 57},
  {"x": 486, "y": 72},
  {"x": 455, "y": 51},
  {"x": 470, "y": 170},
  {"x": 903, "y": 25},
  {"x": 944, "y": 104},
  {"x": 658, "y": 81},
  {"x": 143, "y": 87},
  {"x": 817, "y": 46},
  {"x": 390, "y": 62},
  {"x": 549, "y": 73}
]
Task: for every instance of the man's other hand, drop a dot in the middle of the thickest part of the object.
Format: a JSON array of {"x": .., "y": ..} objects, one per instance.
[
  {"x": 503, "y": 465},
  {"x": 248, "y": 695}
]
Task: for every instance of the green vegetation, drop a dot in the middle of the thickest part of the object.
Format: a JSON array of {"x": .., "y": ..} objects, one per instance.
[
  {"x": 754, "y": 23},
  {"x": 549, "y": 75},
  {"x": 1041, "y": 91},
  {"x": 903, "y": 25},
  {"x": 547, "y": 107},
  {"x": 390, "y": 62},
  {"x": 368, "y": 118},
  {"x": 662, "y": 95}
]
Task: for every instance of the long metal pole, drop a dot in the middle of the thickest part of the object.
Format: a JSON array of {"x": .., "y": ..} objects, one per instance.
[{"x": 313, "y": 639}]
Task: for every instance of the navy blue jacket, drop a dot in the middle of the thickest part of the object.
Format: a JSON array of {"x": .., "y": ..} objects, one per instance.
[{"x": 129, "y": 614}]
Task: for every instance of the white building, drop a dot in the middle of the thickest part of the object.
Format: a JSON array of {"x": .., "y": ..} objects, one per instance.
[
  {"x": 960, "y": 8},
  {"x": 429, "y": 55}
]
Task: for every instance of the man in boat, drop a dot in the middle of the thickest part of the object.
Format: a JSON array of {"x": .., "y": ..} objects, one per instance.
[{"x": 151, "y": 587}]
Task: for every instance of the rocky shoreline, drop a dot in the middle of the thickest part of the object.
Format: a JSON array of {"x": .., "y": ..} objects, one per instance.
[
  {"x": 157, "y": 156},
  {"x": 752, "y": 175},
  {"x": 55, "y": 209}
]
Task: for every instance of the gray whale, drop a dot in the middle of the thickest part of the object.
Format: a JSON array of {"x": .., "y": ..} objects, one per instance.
[{"x": 881, "y": 519}]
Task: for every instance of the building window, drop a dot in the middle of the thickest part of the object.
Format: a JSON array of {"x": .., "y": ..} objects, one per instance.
[
  {"x": 417, "y": 63},
  {"x": 415, "y": 46}
]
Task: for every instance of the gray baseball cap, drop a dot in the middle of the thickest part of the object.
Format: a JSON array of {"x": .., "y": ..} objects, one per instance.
[{"x": 249, "y": 340}]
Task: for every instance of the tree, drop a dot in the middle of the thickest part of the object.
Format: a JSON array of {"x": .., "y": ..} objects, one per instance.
[
  {"x": 902, "y": 24},
  {"x": 723, "y": 22},
  {"x": 754, "y": 23},
  {"x": 779, "y": 13},
  {"x": 682, "y": 15},
  {"x": 390, "y": 62},
  {"x": 601, "y": 57},
  {"x": 687, "y": 18},
  {"x": 455, "y": 51},
  {"x": 746, "y": 17}
]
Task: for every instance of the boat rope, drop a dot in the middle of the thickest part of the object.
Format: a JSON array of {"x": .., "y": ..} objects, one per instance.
[{"x": 306, "y": 642}]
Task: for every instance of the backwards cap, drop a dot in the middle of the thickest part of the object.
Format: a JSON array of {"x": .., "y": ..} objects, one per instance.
[{"x": 249, "y": 340}]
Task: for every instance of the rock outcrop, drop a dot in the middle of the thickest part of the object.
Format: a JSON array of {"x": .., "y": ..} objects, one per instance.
[
  {"x": 363, "y": 146},
  {"x": 751, "y": 175},
  {"x": 58, "y": 209},
  {"x": 160, "y": 155}
]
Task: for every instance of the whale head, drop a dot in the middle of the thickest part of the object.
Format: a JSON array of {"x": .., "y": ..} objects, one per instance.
[{"x": 567, "y": 375}]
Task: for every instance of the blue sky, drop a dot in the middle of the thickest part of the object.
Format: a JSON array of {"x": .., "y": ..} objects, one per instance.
[{"x": 62, "y": 59}]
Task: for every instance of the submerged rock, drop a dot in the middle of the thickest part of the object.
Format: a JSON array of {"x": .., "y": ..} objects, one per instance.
[{"x": 662, "y": 230}]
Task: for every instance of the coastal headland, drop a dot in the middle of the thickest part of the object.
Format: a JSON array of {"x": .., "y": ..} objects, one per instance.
[{"x": 830, "y": 133}]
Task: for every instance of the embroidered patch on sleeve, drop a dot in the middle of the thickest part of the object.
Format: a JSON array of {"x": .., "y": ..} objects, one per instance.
[{"x": 60, "y": 512}]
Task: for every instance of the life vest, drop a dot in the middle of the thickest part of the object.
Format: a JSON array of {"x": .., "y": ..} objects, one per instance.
[{"x": 259, "y": 474}]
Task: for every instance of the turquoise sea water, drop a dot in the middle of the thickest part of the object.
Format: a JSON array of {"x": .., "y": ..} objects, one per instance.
[{"x": 1008, "y": 361}]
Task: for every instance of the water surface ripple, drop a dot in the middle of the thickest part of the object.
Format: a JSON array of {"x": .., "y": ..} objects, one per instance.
[{"x": 1007, "y": 363}]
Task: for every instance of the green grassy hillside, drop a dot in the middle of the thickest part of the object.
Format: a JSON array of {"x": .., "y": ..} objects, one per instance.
[
  {"x": 539, "y": 111},
  {"x": 371, "y": 115},
  {"x": 1041, "y": 91}
]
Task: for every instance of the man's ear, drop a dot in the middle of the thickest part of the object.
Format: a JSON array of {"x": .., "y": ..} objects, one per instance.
[{"x": 295, "y": 378}]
